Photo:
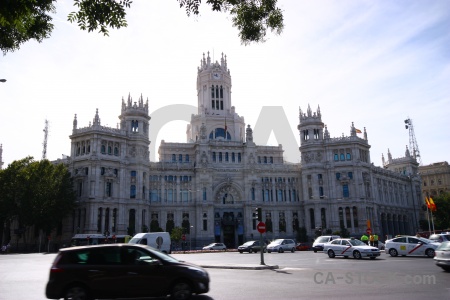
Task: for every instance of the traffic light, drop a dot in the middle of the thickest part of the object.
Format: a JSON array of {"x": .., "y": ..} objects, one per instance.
[{"x": 258, "y": 214}]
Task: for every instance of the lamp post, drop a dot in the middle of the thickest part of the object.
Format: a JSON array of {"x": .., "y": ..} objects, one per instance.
[{"x": 190, "y": 238}]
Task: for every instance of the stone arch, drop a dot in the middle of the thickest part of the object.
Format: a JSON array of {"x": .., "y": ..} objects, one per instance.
[{"x": 228, "y": 194}]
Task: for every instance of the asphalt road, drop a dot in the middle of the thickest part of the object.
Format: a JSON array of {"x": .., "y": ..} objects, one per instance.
[{"x": 300, "y": 275}]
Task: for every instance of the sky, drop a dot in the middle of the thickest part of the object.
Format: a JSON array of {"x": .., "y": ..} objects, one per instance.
[{"x": 373, "y": 63}]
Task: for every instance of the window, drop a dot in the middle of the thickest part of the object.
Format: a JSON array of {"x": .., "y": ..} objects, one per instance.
[
  {"x": 103, "y": 149},
  {"x": 233, "y": 158},
  {"x": 226, "y": 156},
  {"x": 239, "y": 157},
  {"x": 187, "y": 157},
  {"x": 204, "y": 194},
  {"x": 350, "y": 175},
  {"x": 345, "y": 191},
  {"x": 180, "y": 158},
  {"x": 220, "y": 156},
  {"x": 338, "y": 176},
  {"x": 342, "y": 156},
  {"x": 174, "y": 158},
  {"x": 319, "y": 176},
  {"x": 271, "y": 160},
  {"x": 253, "y": 194},
  {"x": 116, "y": 151},
  {"x": 349, "y": 156},
  {"x": 102, "y": 171},
  {"x": 336, "y": 157},
  {"x": 321, "y": 191},
  {"x": 214, "y": 156},
  {"x": 108, "y": 189},
  {"x": 132, "y": 191}
]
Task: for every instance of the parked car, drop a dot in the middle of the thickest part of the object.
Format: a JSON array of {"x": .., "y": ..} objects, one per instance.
[
  {"x": 215, "y": 246},
  {"x": 281, "y": 245},
  {"x": 410, "y": 245},
  {"x": 122, "y": 271},
  {"x": 440, "y": 237},
  {"x": 321, "y": 240},
  {"x": 250, "y": 247},
  {"x": 350, "y": 247},
  {"x": 303, "y": 247},
  {"x": 442, "y": 256}
]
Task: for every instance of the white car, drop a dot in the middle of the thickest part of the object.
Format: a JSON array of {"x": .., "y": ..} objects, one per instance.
[
  {"x": 410, "y": 245},
  {"x": 350, "y": 247},
  {"x": 281, "y": 245},
  {"x": 215, "y": 246},
  {"x": 442, "y": 257}
]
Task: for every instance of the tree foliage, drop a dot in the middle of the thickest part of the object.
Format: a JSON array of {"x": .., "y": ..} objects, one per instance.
[
  {"x": 442, "y": 214},
  {"x": 36, "y": 193},
  {"x": 21, "y": 21}
]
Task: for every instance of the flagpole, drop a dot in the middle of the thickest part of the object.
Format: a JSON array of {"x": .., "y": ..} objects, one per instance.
[
  {"x": 432, "y": 221},
  {"x": 428, "y": 217}
]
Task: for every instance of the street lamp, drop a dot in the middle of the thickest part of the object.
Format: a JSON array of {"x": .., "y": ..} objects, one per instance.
[{"x": 190, "y": 238}]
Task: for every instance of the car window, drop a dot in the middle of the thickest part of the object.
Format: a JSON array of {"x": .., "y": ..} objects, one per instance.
[
  {"x": 74, "y": 257},
  {"x": 345, "y": 243},
  {"x": 136, "y": 256},
  {"x": 413, "y": 240},
  {"x": 104, "y": 256},
  {"x": 336, "y": 242},
  {"x": 400, "y": 240}
]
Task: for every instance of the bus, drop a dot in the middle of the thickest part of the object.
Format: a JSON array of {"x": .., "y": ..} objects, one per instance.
[{"x": 97, "y": 239}]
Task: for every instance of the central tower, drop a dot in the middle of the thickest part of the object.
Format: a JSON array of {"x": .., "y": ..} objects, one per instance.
[{"x": 216, "y": 118}]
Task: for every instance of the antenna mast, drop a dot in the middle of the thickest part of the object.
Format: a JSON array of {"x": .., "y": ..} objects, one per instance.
[
  {"x": 413, "y": 146},
  {"x": 44, "y": 151}
]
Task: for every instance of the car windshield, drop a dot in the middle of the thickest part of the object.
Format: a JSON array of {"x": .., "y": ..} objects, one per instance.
[
  {"x": 356, "y": 243},
  {"x": 248, "y": 243},
  {"x": 445, "y": 246},
  {"x": 276, "y": 242},
  {"x": 322, "y": 239}
]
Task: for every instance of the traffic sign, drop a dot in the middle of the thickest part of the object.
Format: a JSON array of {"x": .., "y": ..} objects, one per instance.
[
  {"x": 261, "y": 227},
  {"x": 369, "y": 231}
]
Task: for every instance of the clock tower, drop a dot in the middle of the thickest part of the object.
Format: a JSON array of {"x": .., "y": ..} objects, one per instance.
[{"x": 216, "y": 118}]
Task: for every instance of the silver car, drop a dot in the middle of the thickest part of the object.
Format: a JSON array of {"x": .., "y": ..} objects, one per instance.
[
  {"x": 281, "y": 245},
  {"x": 442, "y": 256}
]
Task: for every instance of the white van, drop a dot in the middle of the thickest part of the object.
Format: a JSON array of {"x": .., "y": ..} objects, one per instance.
[{"x": 158, "y": 240}]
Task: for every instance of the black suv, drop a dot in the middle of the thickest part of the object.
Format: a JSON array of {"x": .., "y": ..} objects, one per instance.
[
  {"x": 122, "y": 271},
  {"x": 250, "y": 247}
]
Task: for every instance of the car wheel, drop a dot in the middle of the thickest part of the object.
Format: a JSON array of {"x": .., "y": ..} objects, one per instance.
[
  {"x": 269, "y": 251},
  {"x": 293, "y": 250},
  {"x": 250, "y": 250},
  {"x": 240, "y": 251},
  {"x": 315, "y": 251},
  {"x": 429, "y": 253},
  {"x": 280, "y": 250},
  {"x": 447, "y": 269},
  {"x": 373, "y": 257},
  {"x": 393, "y": 252},
  {"x": 357, "y": 255},
  {"x": 331, "y": 254},
  {"x": 181, "y": 290},
  {"x": 76, "y": 292}
]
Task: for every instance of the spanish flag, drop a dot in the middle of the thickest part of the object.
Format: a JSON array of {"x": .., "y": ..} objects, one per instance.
[
  {"x": 427, "y": 202},
  {"x": 432, "y": 205},
  {"x": 358, "y": 131}
]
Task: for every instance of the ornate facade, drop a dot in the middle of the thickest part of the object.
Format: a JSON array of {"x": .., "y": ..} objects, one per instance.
[{"x": 212, "y": 184}]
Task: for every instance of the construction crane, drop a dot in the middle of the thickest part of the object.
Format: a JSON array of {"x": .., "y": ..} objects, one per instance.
[
  {"x": 44, "y": 144},
  {"x": 413, "y": 146}
]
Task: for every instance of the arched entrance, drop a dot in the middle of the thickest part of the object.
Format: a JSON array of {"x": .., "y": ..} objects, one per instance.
[{"x": 228, "y": 217}]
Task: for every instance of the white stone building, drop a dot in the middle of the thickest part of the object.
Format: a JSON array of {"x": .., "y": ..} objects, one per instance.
[{"x": 212, "y": 184}]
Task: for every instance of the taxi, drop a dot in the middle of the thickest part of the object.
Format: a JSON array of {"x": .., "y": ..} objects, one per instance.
[
  {"x": 350, "y": 247},
  {"x": 410, "y": 245}
]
